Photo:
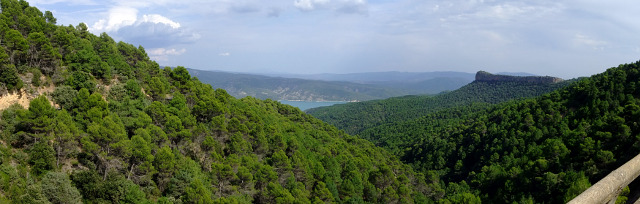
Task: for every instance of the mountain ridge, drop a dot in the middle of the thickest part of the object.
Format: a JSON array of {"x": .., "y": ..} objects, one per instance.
[
  {"x": 488, "y": 77},
  {"x": 126, "y": 130},
  {"x": 352, "y": 118},
  {"x": 282, "y": 88}
]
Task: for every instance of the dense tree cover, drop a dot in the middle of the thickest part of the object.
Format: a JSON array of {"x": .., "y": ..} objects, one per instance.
[
  {"x": 539, "y": 150},
  {"x": 122, "y": 130},
  {"x": 357, "y": 117}
]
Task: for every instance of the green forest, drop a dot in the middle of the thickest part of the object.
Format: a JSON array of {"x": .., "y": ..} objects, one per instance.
[
  {"x": 357, "y": 117},
  {"x": 545, "y": 149},
  {"x": 120, "y": 129}
]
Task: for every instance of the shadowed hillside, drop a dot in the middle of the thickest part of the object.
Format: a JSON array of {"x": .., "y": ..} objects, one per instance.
[
  {"x": 356, "y": 117},
  {"x": 124, "y": 130}
]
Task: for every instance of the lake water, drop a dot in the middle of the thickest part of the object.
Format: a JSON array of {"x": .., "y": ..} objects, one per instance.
[{"x": 304, "y": 105}]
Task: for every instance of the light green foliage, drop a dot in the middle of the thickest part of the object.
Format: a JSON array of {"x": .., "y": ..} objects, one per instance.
[
  {"x": 162, "y": 135},
  {"x": 57, "y": 187}
]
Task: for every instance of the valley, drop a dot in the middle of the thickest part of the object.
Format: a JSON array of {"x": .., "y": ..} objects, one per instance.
[
  {"x": 351, "y": 87},
  {"x": 86, "y": 118}
]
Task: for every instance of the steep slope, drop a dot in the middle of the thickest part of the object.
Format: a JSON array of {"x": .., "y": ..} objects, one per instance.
[
  {"x": 357, "y": 117},
  {"x": 122, "y": 130},
  {"x": 542, "y": 150}
]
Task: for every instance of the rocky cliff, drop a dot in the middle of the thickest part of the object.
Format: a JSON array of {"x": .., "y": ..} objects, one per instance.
[{"x": 488, "y": 77}]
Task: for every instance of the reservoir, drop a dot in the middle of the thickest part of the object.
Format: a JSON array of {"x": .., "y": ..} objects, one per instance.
[{"x": 305, "y": 105}]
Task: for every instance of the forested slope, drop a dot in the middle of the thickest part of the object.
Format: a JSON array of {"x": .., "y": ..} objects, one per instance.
[
  {"x": 546, "y": 149},
  {"x": 119, "y": 129},
  {"x": 357, "y": 117}
]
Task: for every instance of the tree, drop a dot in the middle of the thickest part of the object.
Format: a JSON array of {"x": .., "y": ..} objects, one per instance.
[
  {"x": 80, "y": 79},
  {"x": 63, "y": 96},
  {"x": 65, "y": 135},
  {"x": 8, "y": 72},
  {"x": 164, "y": 162},
  {"x": 49, "y": 17},
  {"x": 42, "y": 53},
  {"x": 41, "y": 158},
  {"x": 158, "y": 87},
  {"x": 197, "y": 193},
  {"x": 39, "y": 117},
  {"x": 57, "y": 187},
  {"x": 9, "y": 76},
  {"x": 180, "y": 75},
  {"x": 17, "y": 46},
  {"x": 141, "y": 154}
]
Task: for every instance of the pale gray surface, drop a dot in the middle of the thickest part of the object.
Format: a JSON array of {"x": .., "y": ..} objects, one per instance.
[{"x": 607, "y": 189}]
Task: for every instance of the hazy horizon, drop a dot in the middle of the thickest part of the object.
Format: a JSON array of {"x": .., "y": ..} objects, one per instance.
[{"x": 565, "y": 39}]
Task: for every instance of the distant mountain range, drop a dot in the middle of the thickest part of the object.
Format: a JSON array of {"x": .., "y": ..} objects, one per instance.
[
  {"x": 486, "y": 89},
  {"x": 380, "y": 77},
  {"x": 334, "y": 87}
]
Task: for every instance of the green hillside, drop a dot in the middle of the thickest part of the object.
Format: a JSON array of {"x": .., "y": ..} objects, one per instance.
[
  {"x": 123, "y": 130},
  {"x": 541, "y": 150},
  {"x": 357, "y": 117},
  {"x": 546, "y": 149}
]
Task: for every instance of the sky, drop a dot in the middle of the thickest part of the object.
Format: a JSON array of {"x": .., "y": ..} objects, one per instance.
[{"x": 563, "y": 38}]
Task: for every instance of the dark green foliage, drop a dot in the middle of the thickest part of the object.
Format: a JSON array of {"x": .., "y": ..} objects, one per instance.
[
  {"x": 539, "y": 150},
  {"x": 163, "y": 136},
  {"x": 354, "y": 118},
  {"x": 41, "y": 158},
  {"x": 9, "y": 77},
  {"x": 63, "y": 96},
  {"x": 8, "y": 72},
  {"x": 81, "y": 80},
  {"x": 186, "y": 142}
]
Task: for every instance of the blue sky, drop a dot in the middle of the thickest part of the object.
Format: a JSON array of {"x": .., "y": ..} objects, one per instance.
[{"x": 569, "y": 38}]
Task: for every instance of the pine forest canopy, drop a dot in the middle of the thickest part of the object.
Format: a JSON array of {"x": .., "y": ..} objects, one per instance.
[
  {"x": 545, "y": 149},
  {"x": 486, "y": 89},
  {"x": 127, "y": 131},
  {"x": 123, "y": 130}
]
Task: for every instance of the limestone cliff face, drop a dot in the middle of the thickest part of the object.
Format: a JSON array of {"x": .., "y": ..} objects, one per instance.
[{"x": 488, "y": 77}]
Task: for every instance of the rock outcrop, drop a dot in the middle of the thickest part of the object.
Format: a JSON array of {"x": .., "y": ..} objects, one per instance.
[{"x": 488, "y": 77}]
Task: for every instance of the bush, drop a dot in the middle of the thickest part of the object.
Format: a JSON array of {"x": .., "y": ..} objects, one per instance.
[{"x": 57, "y": 187}]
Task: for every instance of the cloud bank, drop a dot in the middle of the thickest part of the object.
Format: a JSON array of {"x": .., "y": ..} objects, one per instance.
[{"x": 562, "y": 38}]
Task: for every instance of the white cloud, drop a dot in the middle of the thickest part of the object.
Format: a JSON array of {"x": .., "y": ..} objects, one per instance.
[
  {"x": 155, "y": 18},
  {"x": 225, "y": 54},
  {"x": 162, "y": 54},
  {"x": 118, "y": 17},
  {"x": 155, "y": 35},
  {"x": 341, "y": 6},
  {"x": 149, "y": 30},
  {"x": 308, "y": 5},
  {"x": 353, "y": 6},
  {"x": 584, "y": 40},
  {"x": 72, "y": 2}
]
